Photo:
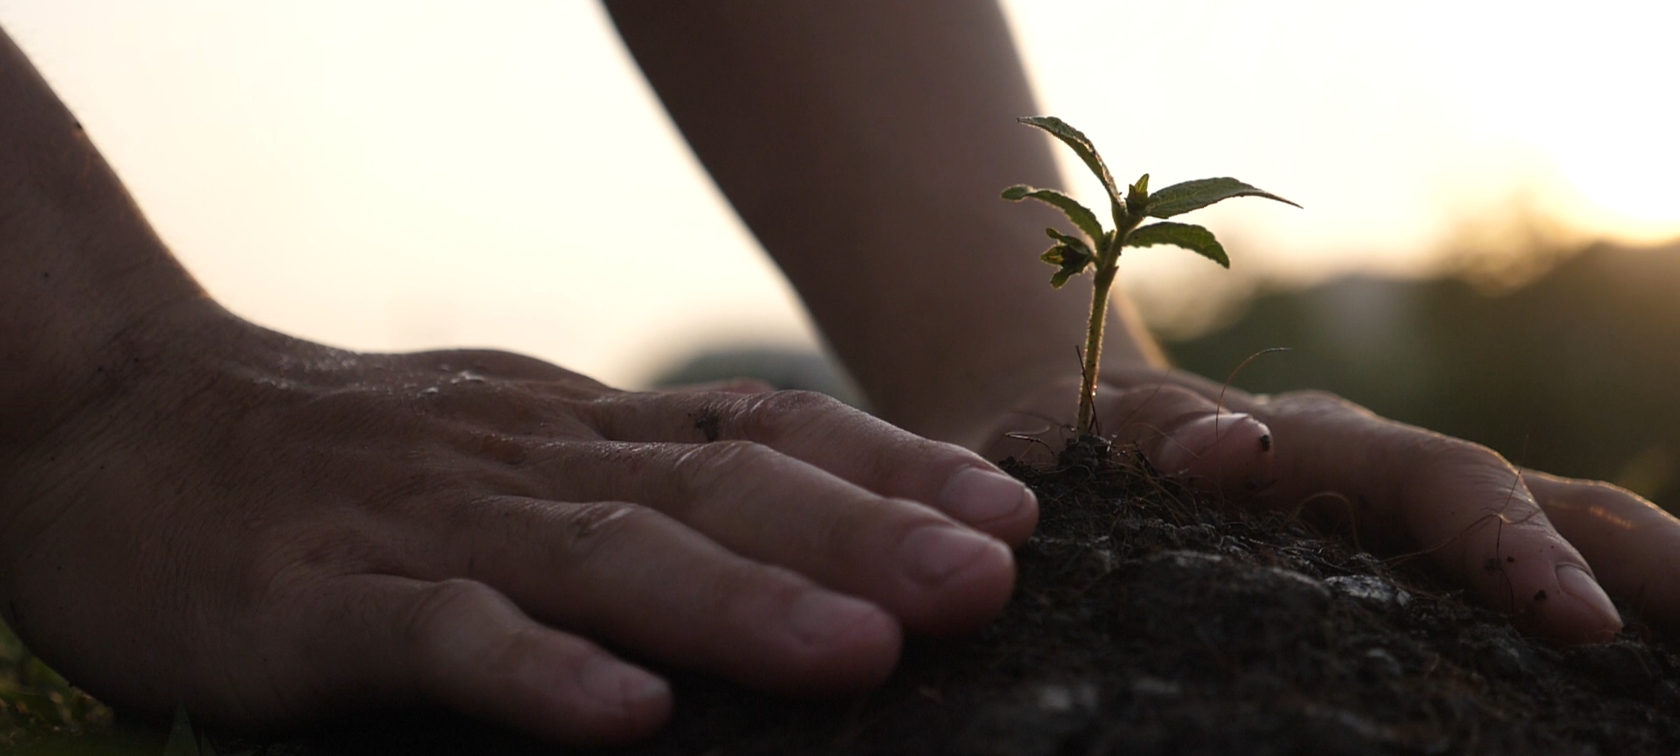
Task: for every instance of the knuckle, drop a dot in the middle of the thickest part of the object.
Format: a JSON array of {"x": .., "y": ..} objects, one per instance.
[
  {"x": 294, "y": 556},
  {"x": 1574, "y": 497},
  {"x": 586, "y": 529},
  {"x": 1312, "y": 400},
  {"x": 1156, "y": 407},
  {"x": 470, "y": 622},
  {"x": 503, "y": 654},
  {"x": 1417, "y": 450},
  {"x": 777, "y": 414},
  {"x": 744, "y": 589},
  {"x": 428, "y": 625},
  {"x": 703, "y": 467},
  {"x": 1314, "y": 395},
  {"x": 1458, "y": 453},
  {"x": 1167, "y": 393},
  {"x": 1492, "y": 484},
  {"x": 1597, "y": 491}
]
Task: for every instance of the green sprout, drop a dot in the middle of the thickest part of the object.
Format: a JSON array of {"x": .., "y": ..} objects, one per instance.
[{"x": 1073, "y": 255}]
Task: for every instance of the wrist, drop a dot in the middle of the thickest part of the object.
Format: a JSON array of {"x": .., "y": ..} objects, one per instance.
[
  {"x": 80, "y": 271},
  {"x": 70, "y": 347},
  {"x": 979, "y": 380}
]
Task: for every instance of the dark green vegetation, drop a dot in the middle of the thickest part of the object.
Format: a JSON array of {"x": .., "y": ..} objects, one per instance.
[
  {"x": 36, "y": 703},
  {"x": 43, "y": 715},
  {"x": 1100, "y": 248}
]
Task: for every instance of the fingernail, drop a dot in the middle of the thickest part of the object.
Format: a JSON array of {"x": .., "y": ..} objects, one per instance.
[
  {"x": 618, "y": 684},
  {"x": 934, "y": 554},
  {"x": 975, "y": 495},
  {"x": 819, "y": 616},
  {"x": 1585, "y": 591}
]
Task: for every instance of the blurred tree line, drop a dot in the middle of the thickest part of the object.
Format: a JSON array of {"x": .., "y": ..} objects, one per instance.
[{"x": 1575, "y": 373}]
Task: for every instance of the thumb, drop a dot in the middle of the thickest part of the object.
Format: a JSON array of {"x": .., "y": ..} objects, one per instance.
[
  {"x": 1182, "y": 434},
  {"x": 1186, "y": 436}
]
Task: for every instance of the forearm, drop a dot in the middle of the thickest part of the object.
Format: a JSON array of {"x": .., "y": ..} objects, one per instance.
[
  {"x": 79, "y": 267},
  {"x": 865, "y": 144}
]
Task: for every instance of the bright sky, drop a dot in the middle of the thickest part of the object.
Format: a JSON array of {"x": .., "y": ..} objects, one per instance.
[{"x": 400, "y": 175}]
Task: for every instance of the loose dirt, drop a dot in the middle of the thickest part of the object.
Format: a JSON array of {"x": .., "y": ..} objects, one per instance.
[{"x": 1147, "y": 623}]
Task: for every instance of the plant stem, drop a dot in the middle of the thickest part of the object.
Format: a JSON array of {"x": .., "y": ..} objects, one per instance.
[
  {"x": 1108, "y": 263},
  {"x": 1093, "y": 348}
]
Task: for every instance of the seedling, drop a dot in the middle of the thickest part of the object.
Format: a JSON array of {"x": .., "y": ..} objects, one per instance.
[{"x": 1100, "y": 248}]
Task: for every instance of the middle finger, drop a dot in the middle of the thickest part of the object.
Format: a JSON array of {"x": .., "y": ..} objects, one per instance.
[
  {"x": 631, "y": 576},
  {"x": 936, "y": 575}
]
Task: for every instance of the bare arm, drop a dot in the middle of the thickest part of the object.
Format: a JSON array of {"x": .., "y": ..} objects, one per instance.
[
  {"x": 865, "y": 144},
  {"x": 79, "y": 271},
  {"x": 196, "y": 510}
]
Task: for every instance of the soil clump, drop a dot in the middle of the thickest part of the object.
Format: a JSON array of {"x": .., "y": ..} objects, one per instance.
[{"x": 1146, "y": 622}]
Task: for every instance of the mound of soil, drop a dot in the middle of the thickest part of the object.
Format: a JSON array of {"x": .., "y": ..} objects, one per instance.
[{"x": 1147, "y": 623}]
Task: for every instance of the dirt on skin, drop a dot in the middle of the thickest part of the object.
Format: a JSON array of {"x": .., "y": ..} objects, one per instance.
[{"x": 1146, "y": 623}]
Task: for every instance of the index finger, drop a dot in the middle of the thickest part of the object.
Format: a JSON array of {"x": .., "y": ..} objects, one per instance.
[
  {"x": 1633, "y": 545},
  {"x": 1460, "y": 504},
  {"x": 841, "y": 440}
]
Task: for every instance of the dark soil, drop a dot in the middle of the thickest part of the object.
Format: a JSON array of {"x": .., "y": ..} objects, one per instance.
[{"x": 1146, "y": 623}]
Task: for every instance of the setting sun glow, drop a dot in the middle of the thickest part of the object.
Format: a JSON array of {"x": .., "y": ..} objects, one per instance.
[{"x": 396, "y": 175}]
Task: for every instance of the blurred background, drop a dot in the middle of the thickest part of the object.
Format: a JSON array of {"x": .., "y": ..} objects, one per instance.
[{"x": 1487, "y": 250}]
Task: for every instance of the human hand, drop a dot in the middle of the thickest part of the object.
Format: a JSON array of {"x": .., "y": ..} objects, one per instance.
[
  {"x": 270, "y": 531},
  {"x": 1524, "y": 542}
]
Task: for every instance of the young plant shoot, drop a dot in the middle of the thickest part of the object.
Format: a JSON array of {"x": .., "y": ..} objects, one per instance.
[{"x": 1100, "y": 248}]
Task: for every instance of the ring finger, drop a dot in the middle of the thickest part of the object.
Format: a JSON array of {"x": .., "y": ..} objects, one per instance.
[
  {"x": 936, "y": 575},
  {"x": 631, "y": 576}
]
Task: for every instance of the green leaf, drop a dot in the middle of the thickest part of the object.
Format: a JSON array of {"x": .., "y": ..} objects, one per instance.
[
  {"x": 1082, "y": 147},
  {"x": 1081, "y": 215},
  {"x": 1137, "y": 195},
  {"x": 1071, "y": 241},
  {"x": 1070, "y": 255},
  {"x": 1060, "y": 277},
  {"x": 1069, "y": 261},
  {"x": 1195, "y": 195},
  {"x": 1186, "y": 235}
]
